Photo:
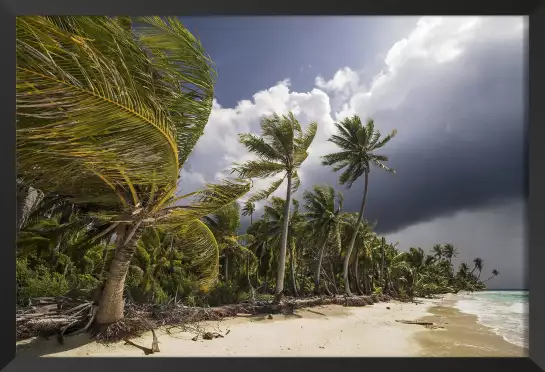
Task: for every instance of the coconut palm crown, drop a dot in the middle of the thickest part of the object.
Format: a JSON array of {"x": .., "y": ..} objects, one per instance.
[{"x": 107, "y": 115}]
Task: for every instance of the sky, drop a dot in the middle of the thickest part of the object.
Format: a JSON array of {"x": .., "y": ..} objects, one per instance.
[{"x": 453, "y": 87}]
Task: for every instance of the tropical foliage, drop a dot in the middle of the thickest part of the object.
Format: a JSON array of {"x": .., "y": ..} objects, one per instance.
[{"x": 108, "y": 112}]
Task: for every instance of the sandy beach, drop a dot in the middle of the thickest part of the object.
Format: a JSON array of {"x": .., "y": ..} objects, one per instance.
[{"x": 324, "y": 331}]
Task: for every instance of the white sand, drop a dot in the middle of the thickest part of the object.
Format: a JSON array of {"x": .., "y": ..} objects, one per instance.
[{"x": 320, "y": 331}]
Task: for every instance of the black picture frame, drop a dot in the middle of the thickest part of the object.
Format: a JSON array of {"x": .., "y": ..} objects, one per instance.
[{"x": 535, "y": 9}]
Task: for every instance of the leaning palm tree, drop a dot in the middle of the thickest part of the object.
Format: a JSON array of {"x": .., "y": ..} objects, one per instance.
[
  {"x": 478, "y": 262},
  {"x": 358, "y": 143},
  {"x": 450, "y": 252},
  {"x": 224, "y": 223},
  {"x": 107, "y": 115},
  {"x": 494, "y": 274},
  {"x": 362, "y": 247},
  {"x": 281, "y": 149},
  {"x": 259, "y": 243},
  {"x": 324, "y": 208}
]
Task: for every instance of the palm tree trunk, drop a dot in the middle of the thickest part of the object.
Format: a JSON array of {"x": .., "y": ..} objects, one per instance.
[
  {"x": 365, "y": 278},
  {"x": 354, "y": 236},
  {"x": 382, "y": 281},
  {"x": 319, "y": 267},
  {"x": 356, "y": 274},
  {"x": 283, "y": 247},
  {"x": 260, "y": 263},
  {"x": 111, "y": 302},
  {"x": 266, "y": 283},
  {"x": 303, "y": 277},
  {"x": 226, "y": 268},
  {"x": 292, "y": 269},
  {"x": 299, "y": 270},
  {"x": 333, "y": 281}
]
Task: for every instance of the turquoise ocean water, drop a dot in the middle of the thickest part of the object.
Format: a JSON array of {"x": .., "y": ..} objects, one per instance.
[{"x": 506, "y": 312}]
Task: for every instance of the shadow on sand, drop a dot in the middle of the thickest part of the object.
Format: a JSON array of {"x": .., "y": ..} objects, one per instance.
[{"x": 41, "y": 346}]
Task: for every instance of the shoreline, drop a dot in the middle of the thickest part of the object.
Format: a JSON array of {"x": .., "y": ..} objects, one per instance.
[
  {"x": 326, "y": 331},
  {"x": 463, "y": 335}
]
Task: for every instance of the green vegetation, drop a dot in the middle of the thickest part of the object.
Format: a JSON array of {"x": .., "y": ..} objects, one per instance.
[{"x": 107, "y": 115}]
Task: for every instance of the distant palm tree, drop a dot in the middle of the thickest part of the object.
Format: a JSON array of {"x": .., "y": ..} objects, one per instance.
[
  {"x": 494, "y": 274},
  {"x": 450, "y": 252},
  {"x": 416, "y": 259},
  {"x": 358, "y": 143},
  {"x": 430, "y": 260},
  {"x": 281, "y": 149},
  {"x": 324, "y": 213},
  {"x": 478, "y": 262},
  {"x": 248, "y": 210},
  {"x": 224, "y": 223},
  {"x": 260, "y": 244},
  {"x": 437, "y": 251},
  {"x": 363, "y": 246},
  {"x": 463, "y": 270}
]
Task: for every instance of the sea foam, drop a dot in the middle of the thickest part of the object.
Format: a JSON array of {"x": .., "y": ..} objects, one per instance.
[{"x": 505, "y": 312}]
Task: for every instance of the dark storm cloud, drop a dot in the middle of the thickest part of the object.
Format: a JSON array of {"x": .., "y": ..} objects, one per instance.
[{"x": 460, "y": 144}]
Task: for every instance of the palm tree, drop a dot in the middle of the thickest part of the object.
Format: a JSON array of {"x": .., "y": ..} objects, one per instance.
[
  {"x": 248, "y": 210},
  {"x": 437, "y": 251},
  {"x": 281, "y": 149},
  {"x": 494, "y": 274},
  {"x": 478, "y": 262},
  {"x": 324, "y": 213},
  {"x": 463, "y": 270},
  {"x": 224, "y": 223},
  {"x": 274, "y": 213},
  {"x": 450, "y": 251},
  {"x": 362, "y": 246},
  {"x": 358, "y": 143},
  {"x": 116, "y": 112}
]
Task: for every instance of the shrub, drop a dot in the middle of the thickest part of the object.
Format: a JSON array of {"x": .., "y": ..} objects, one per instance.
[
  {"x": 39, "y": 282},
  {"x": 223, "y": 293}
]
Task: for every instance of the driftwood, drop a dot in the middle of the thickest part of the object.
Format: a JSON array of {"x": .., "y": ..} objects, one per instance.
[
  {"x": 47, "y": 316},
  {"x": 415, "y": 322},
  {"x": 64, "y": 317},
  {"x": 429, "y": 325}
]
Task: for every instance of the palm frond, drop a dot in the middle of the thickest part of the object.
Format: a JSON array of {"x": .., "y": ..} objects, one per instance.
[
  {"x": 206, "y": 201},
  {"x": 200, "y": 248},
  {"x": 79, "y": 113},
  {"x": 188, "y": 74},
  {"x": 264, "y": 194},
  {"x": 258, "y": 169}
]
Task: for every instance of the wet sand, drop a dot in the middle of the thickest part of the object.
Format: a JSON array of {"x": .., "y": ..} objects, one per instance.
[
  {"x": 462, "y": 335},
  {"x": 326, "y": 331}
]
